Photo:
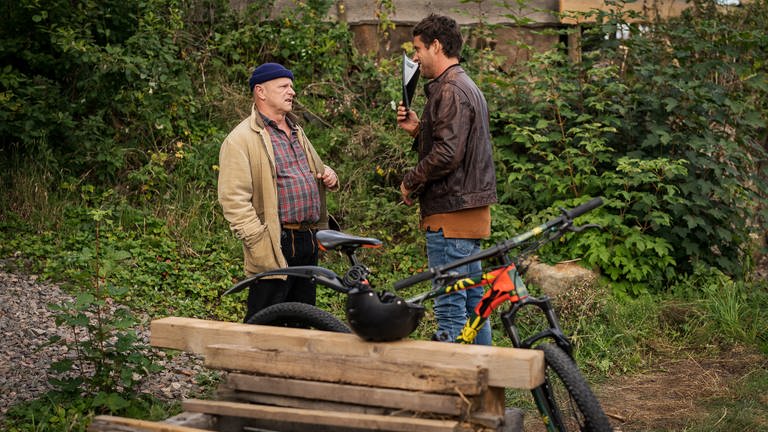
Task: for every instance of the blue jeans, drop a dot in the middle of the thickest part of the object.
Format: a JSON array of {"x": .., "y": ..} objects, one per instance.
[{"x": 452, "y": 310}]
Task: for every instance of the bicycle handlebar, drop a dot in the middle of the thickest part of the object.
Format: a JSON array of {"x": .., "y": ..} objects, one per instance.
[
  {"x": 567, "y": 216},
  {"x": 583, "y": 208}
]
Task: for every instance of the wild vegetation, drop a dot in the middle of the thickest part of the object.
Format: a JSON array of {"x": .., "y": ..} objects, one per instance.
[{"x": 112, "y": 113}]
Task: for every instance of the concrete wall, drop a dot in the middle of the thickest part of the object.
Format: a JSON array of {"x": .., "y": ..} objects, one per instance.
[
  {"x": 369, "y": 40},
  {"x": 361, "y": 15},
  {"x": 411, "y": 12}
]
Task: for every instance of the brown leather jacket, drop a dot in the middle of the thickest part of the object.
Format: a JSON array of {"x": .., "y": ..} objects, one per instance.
[{"x": 455, "y": 169}]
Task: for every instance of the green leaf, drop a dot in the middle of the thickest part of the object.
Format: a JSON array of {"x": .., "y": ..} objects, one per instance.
[
  {"x": 84, "y": 301},
  {"x": 670, "y": 104},
  {"x": 112, "y": 401},
  {"x": 61, "y": 366}
]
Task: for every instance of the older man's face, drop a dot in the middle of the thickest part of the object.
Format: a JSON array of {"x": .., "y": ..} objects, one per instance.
[{"x": 277, "y": 94}]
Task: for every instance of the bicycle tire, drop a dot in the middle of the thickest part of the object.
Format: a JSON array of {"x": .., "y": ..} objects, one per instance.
[
  {"x": 571, "y": 400},
  {"x": 298, "y": 315}
]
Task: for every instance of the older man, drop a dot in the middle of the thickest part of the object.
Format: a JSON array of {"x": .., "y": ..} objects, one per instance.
[{"x": 272, "y": 186}]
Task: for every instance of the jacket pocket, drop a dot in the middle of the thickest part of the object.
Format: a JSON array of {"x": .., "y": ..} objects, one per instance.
[{"x": 259, "y": 252}]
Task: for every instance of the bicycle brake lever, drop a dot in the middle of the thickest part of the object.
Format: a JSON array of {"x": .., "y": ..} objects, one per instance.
[{"x": 580, "y": 228}]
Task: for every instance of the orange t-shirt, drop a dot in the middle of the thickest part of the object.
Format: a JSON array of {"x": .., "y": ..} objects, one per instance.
[{"x": 473, "y": 223}]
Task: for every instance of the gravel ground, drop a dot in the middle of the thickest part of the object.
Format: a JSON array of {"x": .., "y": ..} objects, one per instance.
[{"x": 26, "y": 323}]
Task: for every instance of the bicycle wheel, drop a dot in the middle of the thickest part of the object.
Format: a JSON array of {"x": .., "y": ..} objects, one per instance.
[
  {"x": 298, "y": 315},
  {"x": 569, "y": 403}
]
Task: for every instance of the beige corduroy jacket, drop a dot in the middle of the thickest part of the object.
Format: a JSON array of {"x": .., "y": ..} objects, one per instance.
[{"x": 247, "y": 191}]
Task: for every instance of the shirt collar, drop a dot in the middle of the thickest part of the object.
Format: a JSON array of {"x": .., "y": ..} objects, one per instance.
[{"x": 272, "y": 123}]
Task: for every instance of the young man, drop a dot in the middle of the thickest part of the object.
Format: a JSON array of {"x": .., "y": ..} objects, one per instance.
[
  {"x": 272, "y": 188},
  {"x": 455, "y": 179}
]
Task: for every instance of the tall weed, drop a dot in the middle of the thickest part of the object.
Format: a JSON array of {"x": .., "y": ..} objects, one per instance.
[{"x": 725, "y": 311}]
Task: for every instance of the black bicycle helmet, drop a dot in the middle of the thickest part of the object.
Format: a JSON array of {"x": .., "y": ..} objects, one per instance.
[{"x": 381, "y": 317}]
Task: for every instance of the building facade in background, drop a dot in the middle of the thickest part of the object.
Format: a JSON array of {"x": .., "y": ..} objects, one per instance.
[{"x": 516, "y": 30}]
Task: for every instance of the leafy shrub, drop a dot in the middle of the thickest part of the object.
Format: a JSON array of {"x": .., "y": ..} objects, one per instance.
[
  {"x": 668, "y": 136},
  {"x": 109, "y": 82},
  {"x": 110, "y": 360}
]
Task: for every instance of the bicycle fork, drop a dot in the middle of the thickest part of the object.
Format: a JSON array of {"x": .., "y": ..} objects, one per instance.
[
  {"x": 542, "y": 394},
  {"x": 553, "y": 331}
]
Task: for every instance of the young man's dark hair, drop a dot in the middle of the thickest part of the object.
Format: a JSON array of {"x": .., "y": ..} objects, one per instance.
[{"x": 442, "y": 28}]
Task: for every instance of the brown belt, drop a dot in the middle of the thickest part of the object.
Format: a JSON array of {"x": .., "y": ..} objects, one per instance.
[{"x": 303, "y": 226}]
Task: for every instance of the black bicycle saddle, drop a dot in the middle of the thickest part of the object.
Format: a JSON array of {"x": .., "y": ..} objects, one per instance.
[{"x": 330, "y": 239}]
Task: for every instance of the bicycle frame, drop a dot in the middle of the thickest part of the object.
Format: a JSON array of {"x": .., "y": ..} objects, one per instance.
[{"x": 506, "y": 286}]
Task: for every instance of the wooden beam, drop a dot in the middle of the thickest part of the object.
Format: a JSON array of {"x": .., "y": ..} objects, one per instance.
[
  {"x": 313, "y": 418},
  {"x": 295, "y": 402},
  {"x": 493, "y": 401},
  {"x": 348, "y": 394},
  {"x": 105, "y": 423},
  {"x": 507, "y": 367},
  {"x": 407, "y": 375},
  {"x": 193, "y": 420}
]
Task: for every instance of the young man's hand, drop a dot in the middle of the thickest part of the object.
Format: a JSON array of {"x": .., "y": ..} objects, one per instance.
[
  {"x": 407, "y": 120},
  {"x": 406, "y": 194}
]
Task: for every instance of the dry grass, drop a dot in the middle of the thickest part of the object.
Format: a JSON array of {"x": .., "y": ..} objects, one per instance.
[{"x": 673, "y": 394}]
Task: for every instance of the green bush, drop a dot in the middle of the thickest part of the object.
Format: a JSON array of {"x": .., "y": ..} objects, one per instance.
[
  {"x": 670, "y": 137},
  {"x": 93, "y": 87}
]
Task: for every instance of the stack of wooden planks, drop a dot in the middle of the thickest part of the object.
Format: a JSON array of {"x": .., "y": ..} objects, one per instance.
[{"x": 286, "y": 379}]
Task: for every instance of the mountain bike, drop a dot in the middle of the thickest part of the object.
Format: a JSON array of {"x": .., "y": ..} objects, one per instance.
[{"x": 564, "y": 400}]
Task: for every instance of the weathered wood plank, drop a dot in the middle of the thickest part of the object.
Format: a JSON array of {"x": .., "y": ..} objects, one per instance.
[
  {"x": 407, "y": 375},
  {"x": 507, "y": 367},
  {"x": 193, "y": 420},
  {"x": 105, "y": 423},
  {"x": 295, "y": 402},
  {"x": 492, "y": 401},
  {"x": 349, "y": 394},
  {"x": 486, "y": 410},
  {"x": 325, "y": 418}
]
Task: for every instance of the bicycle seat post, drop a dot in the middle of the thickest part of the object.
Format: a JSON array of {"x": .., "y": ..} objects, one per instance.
[{"x": 349, "y": 251}]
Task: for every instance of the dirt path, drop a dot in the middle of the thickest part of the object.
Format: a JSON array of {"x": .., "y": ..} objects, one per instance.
[{"x": 675, "y": 392}]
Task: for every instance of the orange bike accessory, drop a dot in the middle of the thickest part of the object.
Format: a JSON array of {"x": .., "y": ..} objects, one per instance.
[{"x": 502, "y": 290}]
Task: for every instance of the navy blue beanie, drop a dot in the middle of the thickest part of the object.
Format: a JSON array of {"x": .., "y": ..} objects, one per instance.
[{"x": 268, "y": 71}]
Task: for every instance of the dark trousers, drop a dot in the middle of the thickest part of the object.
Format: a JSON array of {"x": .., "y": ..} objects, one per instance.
[{"x": 299, "y": 248}]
